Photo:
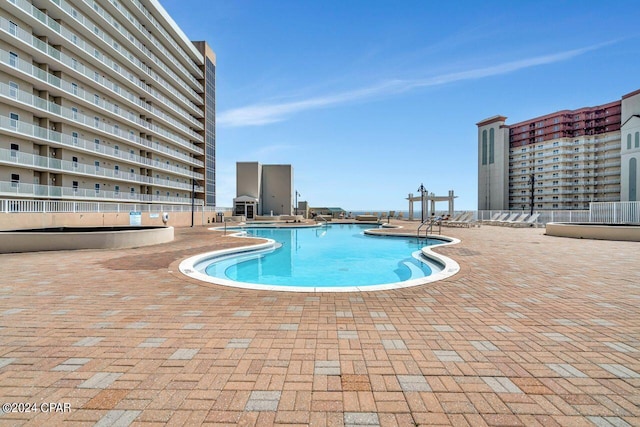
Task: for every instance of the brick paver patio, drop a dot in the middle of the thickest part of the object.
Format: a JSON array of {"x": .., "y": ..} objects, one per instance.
[{"x": 535, "y": 330}]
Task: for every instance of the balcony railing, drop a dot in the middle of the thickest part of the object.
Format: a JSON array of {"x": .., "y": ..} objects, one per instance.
[
  {"x": 89, "y": 73},
  {"x": 155, "y": 23},
  {"x": 49, "y": 191},
  {"x": 89, "y": 49},
  {"x": 129, "y": 18},
  {"x": 32, "y": 161},
  {"x": 90, "y": 122},
  {"x": 52, "y": 137},
  {"x": 134, "y": 59}
]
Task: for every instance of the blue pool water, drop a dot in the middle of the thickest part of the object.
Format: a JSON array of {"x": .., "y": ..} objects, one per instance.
[{"x": 338, "y": 255}]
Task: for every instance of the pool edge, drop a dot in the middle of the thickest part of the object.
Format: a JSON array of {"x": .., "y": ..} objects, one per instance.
[{"x": 450, "y": 268}]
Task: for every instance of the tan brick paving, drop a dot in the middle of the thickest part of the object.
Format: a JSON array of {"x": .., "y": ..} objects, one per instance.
[{"x": 534, "y": 330}]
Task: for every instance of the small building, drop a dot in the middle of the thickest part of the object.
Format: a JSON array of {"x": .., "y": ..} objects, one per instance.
[{"x": 263, "y": 190}]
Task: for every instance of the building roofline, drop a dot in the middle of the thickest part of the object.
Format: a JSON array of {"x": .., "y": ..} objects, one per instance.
[
  {"x": 629, "y": 95},
  {"x": 186, "y": 42},
  {"x": 490, "y": 120},
  {"x": 577, "y": 110}
]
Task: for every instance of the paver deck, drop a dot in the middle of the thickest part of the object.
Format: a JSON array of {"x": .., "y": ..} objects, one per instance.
[{"x": 534, "y": 330}]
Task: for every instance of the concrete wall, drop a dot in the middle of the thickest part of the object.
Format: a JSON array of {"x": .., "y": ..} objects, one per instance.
[
  {"x": 277, "y": 189},
  {"x": 35, "y": 242},
  {"x": 248, "y": 179},
  {"x": 17, "y": 221},
  {"x": 493, "y": 177},
  {"x": 594, "y": 231},
  {"x": 630, "y": 127}
]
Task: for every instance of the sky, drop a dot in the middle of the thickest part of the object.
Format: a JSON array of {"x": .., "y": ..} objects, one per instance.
[{"x": 369, "y": 99}]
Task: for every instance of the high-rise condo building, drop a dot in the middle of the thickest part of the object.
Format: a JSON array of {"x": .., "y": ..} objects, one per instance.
[
  {"x": 563, "y": 160},
  {"x": 104, "y": 101}
]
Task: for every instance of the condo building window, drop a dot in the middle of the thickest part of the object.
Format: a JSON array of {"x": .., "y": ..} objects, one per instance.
[
  {"x": 96, "y": 99},
  {"x": 484, "y": 147},
  {"x": 74, "y": 63},
  {"x": 14, "y": 150},
  {"x": 74, "y": 113},
  {"x": 116, "y": 189},
  {"x": 637, "y": 143},
  {"x": 13, "y": 89},
  {"x": 491, "y": 145},
  {"x": 633, "y": 182},
  {"x": 97, "y": 188},
  {"x": 96, "y": 121},
  {"x": 13, "y": 120},
  {"x": 74, "y": 185},
  {"x": 97, "y": 165},
  {"x": 74, "y": 161},
  {"x": 116, "y": 169},
  {"x": 13, "y": 59},
  {"x": 74, "y": 138},
  {"x": 629, "y": 141},
  {"x": 15, "y": 179},
  {"x": 97, "y": 142},
  {"x": 13, "y": 28}
]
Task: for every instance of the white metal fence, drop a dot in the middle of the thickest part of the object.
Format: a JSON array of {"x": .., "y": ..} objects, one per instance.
[
  {"x": 545, "y": 216},
  {"x": 63, "y": 206},
  {"x": 615, "y": 212}
]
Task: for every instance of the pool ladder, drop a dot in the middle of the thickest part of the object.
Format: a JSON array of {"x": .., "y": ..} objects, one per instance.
[{"x": 429, "y": 224}]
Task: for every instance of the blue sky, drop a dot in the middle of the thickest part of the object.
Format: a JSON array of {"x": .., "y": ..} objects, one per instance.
[{"x": 369, "y": 99}]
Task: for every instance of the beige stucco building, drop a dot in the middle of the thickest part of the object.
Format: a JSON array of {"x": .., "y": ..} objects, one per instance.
[
  {"x": 263, "y": 189},
  {"x": 104, "y": 101},
  {"x": 563, "y": 160}
]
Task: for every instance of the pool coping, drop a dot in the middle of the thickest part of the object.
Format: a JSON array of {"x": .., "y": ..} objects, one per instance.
[{"x": 450, "y": 267}]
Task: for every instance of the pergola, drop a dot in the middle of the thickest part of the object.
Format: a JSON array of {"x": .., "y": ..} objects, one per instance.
[{"x": 429, "y": 202}]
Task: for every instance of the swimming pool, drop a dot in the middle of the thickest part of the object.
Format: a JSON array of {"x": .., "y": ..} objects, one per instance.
[{"x": 337, "y": 257}]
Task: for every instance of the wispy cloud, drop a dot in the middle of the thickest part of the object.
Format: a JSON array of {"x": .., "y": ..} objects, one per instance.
[{"x": 264, "y": 113}]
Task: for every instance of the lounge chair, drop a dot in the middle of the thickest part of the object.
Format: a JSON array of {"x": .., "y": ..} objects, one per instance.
[
  {"x": 502, "y": 217},
  {"x": 466, "y": 220},
  {"x": 494, "y": 217},
  {"x": 455, "y": 218},
  {"x": 517, "y": 220},
  {"x": 531, "y": 222}
]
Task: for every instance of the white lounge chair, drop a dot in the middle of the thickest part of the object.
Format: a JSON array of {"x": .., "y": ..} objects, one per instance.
[
  {"x": 465, "y": 221},
  {"x": 531, "y": 222},
  {"x": 494, "y": 217},
  {"x": 517, "y": 220},
  {"x": 502, "y": 217}
]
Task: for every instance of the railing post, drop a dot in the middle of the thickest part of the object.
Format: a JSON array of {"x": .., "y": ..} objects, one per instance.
[{"x": 615, "y": 214}]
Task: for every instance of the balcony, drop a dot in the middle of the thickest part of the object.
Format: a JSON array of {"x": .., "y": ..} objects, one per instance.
[
  {"x": 35, "y": 162},
  {"x": 136, "y": 84},
  {"x": 45, "y": 136},
  {"x": 14, "y": 189},
  {"x": 73, "y": 40},
  {"x": 152, "y": 20},
  {"x": 31, "y": 102},
  {"x": 129, "y": 19}
]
